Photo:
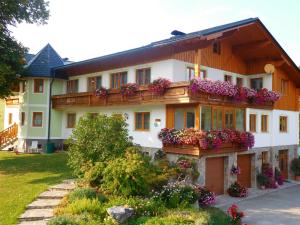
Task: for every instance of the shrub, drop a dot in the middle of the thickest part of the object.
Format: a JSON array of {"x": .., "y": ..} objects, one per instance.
[
  {"x": 95, "y": 143},
  {"x": 80, "y": 193},
  {"x": 235, "y": 215},
  {"x": 127, "y": 175},
  {"x": 295, "y": 166},
  {"x": 205, "y": 197},
  {"x": 267, "y": 171},
  {"x": 188, "y": 169},
  {"x": 176, "y": 195},
  {"x": 262, "y": 179},
  {"x": 63, "y": 220},
  {"x": 237, "y": 190}
]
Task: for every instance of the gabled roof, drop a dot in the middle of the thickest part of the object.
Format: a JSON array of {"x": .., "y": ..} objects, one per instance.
[
  {"x": 43, "y": 62},
  {"x": 28, "y": 57}
]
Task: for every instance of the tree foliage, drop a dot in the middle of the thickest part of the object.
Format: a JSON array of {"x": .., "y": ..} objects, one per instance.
[{"x": 11, "y": 51}]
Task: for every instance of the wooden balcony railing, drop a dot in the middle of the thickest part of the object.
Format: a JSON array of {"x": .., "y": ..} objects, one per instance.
[
  {"x": 12, "y": 100},
  {"x": 177, "y": 93},
  {"x": 9, "y": 134}
]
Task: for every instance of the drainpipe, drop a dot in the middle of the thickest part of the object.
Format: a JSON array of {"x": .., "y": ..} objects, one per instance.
[{"x": 49, "y": 109}]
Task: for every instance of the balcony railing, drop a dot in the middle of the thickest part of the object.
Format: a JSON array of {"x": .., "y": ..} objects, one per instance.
[{"x": 177, "y": 93}]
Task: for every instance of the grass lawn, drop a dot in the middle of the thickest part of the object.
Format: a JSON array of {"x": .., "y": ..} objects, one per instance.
[{"x": 24, "y": 177}]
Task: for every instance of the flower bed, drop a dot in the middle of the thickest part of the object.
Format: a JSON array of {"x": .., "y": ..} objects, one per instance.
[
  {"x": 206, "y": 140},
  {"x": 236, "y": 93}
]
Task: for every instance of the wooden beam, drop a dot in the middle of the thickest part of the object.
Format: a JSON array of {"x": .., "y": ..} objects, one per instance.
[{"x": 250, "y": 46}]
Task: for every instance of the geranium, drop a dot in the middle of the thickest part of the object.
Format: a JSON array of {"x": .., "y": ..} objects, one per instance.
[
  {"x": 159, "y": 86},
  {"x": 235, "y": 215},
  {"x": 129, "y": 89},
  {"x": 235, "y": 170},
  {"x": 101, "y": 92},
  {"x": 264, "y": 95},
  {"x": 237, "y": 190},
  {"x": 205, "y": 197}
]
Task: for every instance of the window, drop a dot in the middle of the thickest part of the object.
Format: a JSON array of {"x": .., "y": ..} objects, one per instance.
[
  {"x": 72, "y": 86},
  {"x": 143, "y": 76},
  {"x": 71, "y": 120},
  {"x": 284, "y": 87},
  {"x": 264, "y": 123},
  {"x": 256, "y": 83},
  {"x": 142, "y": 120},
  {"x": 283, "y": 123},
  {"x": 22, "y": 118},
  {"x": 184, "y": 118},
  {"x": 252, "y": 123},
  {"x": 206, "y": 118},
  {"x": 229, "y": 115},
  {"x": 203, "y": 74},
  {"x": 228, "y": 78},
  {"x": 38, "y": 86},
  {"x": 217, "y": 47},
  {"x": 240, "y": 119},
  {"x": 239, "y": 82},
  {"x": 94, "y": 83},
  {"x": 37, "y": 119},
  {"x": 190, "y": 71},
  {"x": 118, "y": 79},
  {"x": 217, "y": 121},
  {"x": 10, "y": 118}
]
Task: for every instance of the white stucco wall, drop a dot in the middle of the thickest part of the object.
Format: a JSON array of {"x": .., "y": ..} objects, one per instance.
[
  {"x": 15, "y": 115},
  {"x": 144, "y": 138}
]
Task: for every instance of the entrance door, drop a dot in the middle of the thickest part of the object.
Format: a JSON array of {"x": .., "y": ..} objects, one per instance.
[
  {"x": 214, "y": 174},
  {"x": 244, "y": 162},
  {"x": 283, "y": 163}
]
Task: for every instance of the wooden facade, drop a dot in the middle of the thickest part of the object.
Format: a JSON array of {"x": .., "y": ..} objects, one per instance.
[{"x": 12, "y": 100}]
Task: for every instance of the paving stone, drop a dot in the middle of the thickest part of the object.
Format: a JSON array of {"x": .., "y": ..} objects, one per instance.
[
  {"x": 37, "y": 222},
  {"x": 36, "y": 214},
  {"x": 53, "y": 194},
  {"x": 63, "y": 186},
  {"x": 44, "y": 203}
]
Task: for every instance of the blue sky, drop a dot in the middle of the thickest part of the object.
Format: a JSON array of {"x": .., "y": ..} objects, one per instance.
[{"x": 82, "y": 29}]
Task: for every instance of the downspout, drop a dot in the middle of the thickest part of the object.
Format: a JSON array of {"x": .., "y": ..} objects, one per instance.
[{"x": 49, "y": 108}]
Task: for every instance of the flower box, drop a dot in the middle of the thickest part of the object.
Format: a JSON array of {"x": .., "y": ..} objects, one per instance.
[{"x": 182, "y": 149}]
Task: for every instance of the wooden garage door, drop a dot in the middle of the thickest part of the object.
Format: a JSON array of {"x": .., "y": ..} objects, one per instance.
[
  {"x": 244, "y": 162},
  {"x": 214, "y": 174},
  {"x": 283, "y": 163}
]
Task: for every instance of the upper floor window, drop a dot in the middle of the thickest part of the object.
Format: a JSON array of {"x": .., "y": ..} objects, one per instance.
[
  {"x": 38, "y": 86},
  {"x": 71, "y": 120},
  {"x": 228, "y": 79},
  {"x": 283, "y": 123},
  {"x": 118, "y": 79},
  {"x": 37, "y": 119},
  {"x": 143, "y": 76},
  {"x": 94, "y": 83},
  {"x": 203, "y": 74},
  {"x": 284, "y": 87},
  {"x": 256, "y": 83},
  {"x": 217, "y": 47},
  {"x": 264, "y": 123},
  {"x": 252, "y": 124},
  {"x": 239, "y": 82},
  {"x": 72, "y": 86},
  {"x": 142, "y": 120},
  {"x": 190, "y": 71}
]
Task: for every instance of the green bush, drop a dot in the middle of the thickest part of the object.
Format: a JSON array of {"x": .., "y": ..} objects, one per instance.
[
  {"x": 80, "y": 193},
  {"x": 128, "y": 175},
  {"x": 176, "y": 195},
  {"x": 62, "y": 220},
  {"x": 295, "y": 166},
  {"x": 98, "y": 139}
]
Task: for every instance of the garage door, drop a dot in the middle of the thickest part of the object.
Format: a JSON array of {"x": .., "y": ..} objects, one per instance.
[
  {"x": 244, "y": 162},
  {"x": 214, "y": 174}
]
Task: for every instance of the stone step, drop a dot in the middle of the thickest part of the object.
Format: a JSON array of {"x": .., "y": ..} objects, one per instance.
[
  {"x": 36, "y": 214},
  {"x": 37, "y": 222},
  {"x": 44, "y": 204},
  {"x": 53, "y": 194},
  {"x": 63, "y": 187}
]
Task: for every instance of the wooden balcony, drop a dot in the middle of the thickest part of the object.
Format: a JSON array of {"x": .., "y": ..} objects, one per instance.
[
  {"x": 197, "y": 151},
  {"x": 177, "y": 93},
  {"x": 12, "y": 100}
]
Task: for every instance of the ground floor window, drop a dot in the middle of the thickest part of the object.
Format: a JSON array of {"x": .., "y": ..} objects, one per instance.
[
  {"x": 22, "y": 118},
  {"x": 10, "y": 118},
  {"x": 142, "y": 121},
  {"x": 252, "y": 123},
  {"x": 37, "y": 119},
  {"x": 71, "y": 120}
]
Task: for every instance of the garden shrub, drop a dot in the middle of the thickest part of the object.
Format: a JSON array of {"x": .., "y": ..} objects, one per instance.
[
  {"x": 295, "y": 166},
  {"x": 63, "y": 220},
  {"x": 237, "y": 190},
  {"x": 98, "y": 139},
  {"x": 94, "y": 174},
  {"x": 176, "y": 195},
  {"x": 187, "y": 169},
  {"x": 80, "y": 193},
  {"x": 127, "y": 175}
]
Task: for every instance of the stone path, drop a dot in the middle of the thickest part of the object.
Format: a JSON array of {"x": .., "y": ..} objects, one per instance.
[{"x": 41, "y": 210}]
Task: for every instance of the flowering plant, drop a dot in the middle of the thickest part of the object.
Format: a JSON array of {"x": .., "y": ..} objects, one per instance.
[
  {"x": 235, "y": 170},
  {"x": 206, "y": 140},
  {"x": 205, "y": 197},
  {"x": 237, "y": 190},
  {"x": 187, "y": 169},
  {"x": 237, "y": 93},
  {"x": 101, "y": 92},
  {"x": 159, "y": 86},
  {"x": 267, "y": 171},
  {"x": 129, "y": 89},
  {"x": 235, "y": 215}
]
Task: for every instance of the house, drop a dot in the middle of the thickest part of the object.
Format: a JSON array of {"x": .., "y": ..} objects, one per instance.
[{"x": 242, "y": 53}]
